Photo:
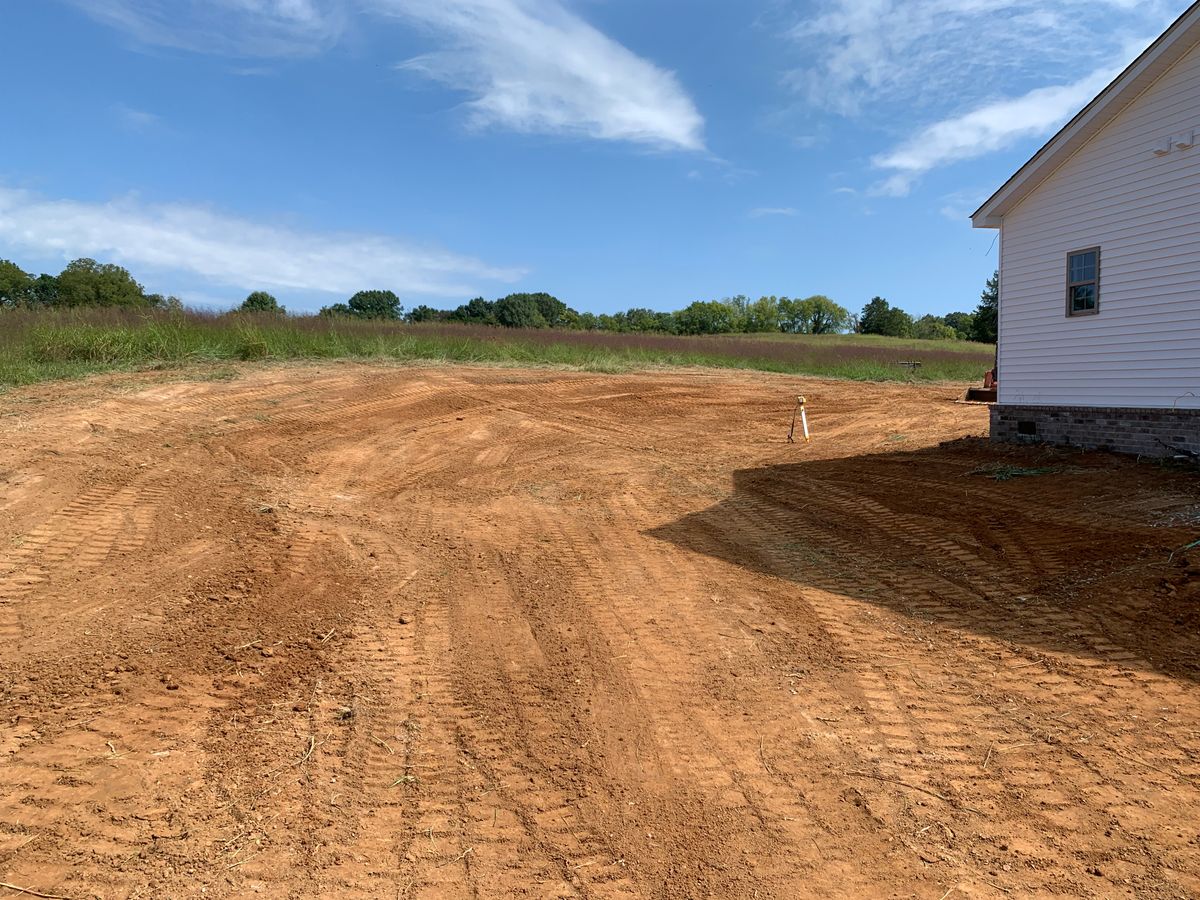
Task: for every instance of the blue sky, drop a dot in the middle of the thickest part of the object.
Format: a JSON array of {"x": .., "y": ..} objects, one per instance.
[{"x": 615, "y": 153}]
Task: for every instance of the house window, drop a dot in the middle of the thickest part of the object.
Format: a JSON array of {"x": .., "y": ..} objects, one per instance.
[{"x": 1083, "y": 282}]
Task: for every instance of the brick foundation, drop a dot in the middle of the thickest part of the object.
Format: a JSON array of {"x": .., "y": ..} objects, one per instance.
[{"x": 1137, "y": 431}]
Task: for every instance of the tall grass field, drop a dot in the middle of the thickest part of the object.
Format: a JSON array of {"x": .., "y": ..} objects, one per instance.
[{"x": 40, "y": 345}]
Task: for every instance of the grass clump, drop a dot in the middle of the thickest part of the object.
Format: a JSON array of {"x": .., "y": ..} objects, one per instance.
[
  {"x": 40, "y": 345},
  {"x": 1008, "y": 473}
]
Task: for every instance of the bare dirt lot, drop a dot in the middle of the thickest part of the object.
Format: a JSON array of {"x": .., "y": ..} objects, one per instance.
[{"x": 437, "y": 633}]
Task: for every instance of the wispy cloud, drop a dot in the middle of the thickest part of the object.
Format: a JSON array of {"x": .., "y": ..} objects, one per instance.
[
  {"x": 958, "y": 205},
  {"x": 530, "y": 66},
  {"x": 138, "y": 120},
  {"x": 246, "y": 28},
  {"x": 943, "y": 61},
  {"x": 765, "y": 211},
  {"x": 235, "y": 251},
  {"x": 534, "y": 66},
  {"x": 863, "y": 55},
  {"x": 992, "y": 127}
]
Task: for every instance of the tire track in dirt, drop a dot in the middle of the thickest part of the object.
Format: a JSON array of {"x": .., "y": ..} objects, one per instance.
[
  {"x": 954, "y": 768},
  {"x": 77, "y": 539},
  {"x": 914, "y": 708},
  {"x": 645, "y": 607},
  {"x": 521, "y": 738},
  {"x": 524, "y": 642}
]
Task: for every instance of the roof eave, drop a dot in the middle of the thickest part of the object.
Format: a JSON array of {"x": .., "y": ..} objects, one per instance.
[{"x": 1083, "y": 127}]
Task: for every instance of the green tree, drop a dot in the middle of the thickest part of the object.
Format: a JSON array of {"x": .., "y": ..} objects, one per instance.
[
  {"x": 375, "y": 305},
  {"x": 984, "y": 328},
  {"x": 819, "y": 315},
  {"x": 424, "y": 313},
  {"x": 961, "y": 322},
  {"x": 761, "y": 316},
  {"x": 554, "y": 312},
  {"x": 706, "y": 317},
  {"x": 789, "y": 315},
  {"x": 738, "y": 308},
  {"x": 16, "y": 286},
  {"x": 476, "y": 312},
  {"x": 873, "y": 319},
  {"x": 337, "y": 310},
  {"x": 934, "y": 328},
  {"x": 44, "y": 291},
  {"x": 880, "y": 317},
  {"x": 261, "y": 302},
  {"x": 85, "y": 282},
  {"x": 640, "y": 319},
  {"x": 519, "y": 311}
]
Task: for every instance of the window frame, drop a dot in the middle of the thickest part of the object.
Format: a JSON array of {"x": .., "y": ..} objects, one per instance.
[{"x": 1071, "y": 285}]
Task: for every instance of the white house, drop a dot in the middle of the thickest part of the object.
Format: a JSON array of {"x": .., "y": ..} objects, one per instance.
[{"x": 1099, "y": 324}]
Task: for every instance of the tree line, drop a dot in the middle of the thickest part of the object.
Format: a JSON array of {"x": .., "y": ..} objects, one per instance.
[
  {"x": 85, "y": 282},
  {"x": 733, "y": 315}
]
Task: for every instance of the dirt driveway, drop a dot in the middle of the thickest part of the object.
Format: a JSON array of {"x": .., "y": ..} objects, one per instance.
[{"x": 353, "y": 631}]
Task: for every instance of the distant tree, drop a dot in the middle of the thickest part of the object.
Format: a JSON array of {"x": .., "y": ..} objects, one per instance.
[
  {"x": 16, "y": 285},
  {"x": 569, "y": 320},
  {"x": 424, "y": 313},
  {"x": 337, "y": 310},
  {"x": 375, "y": 305},
  {"x": 169, "y": 303},
  {"x": 44, "y": 291},
  {"x": 85, "y": 282},
  {"x": 476, "y": 312},
  {"x": 815, "y": 315},
  {"x": 640, "y": 319},
  {"x": 737, "y": 305},
  {"x": 789, "y": 315},
  {"x": 706, "y": 317},
  {"x": 261, "y": 302},
  {"x": 934, "y": 328},
  {"x": 961, "y": 322},
  {"x": 554, "y": 312},
  {"x": 874, "y": 317},
  {"x": 588, "y": 321},
  {"x": 984, "y": 327},
  {"x": 519, "y": 311},
  {"x": 761, "y": 316},
  {"x": 879, "y": 317}
]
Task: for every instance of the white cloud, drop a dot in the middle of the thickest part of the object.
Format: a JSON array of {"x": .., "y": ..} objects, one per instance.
[
  {"x": 994, "y": 126},
  {"x": 958, "y": 205},
  {"x": 137, "y": 119},
  {"x": 867, "y": 55},
  {"x": 234, "y": 251},
  {"x": 764, "y": 211},
  {"x": 248, "y": 28},
  {"x": 951, "y": 62},
  {"x": 534, "y": 66}
]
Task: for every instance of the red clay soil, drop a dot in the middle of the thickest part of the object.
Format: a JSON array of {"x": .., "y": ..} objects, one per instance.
[{"x": 437, "y": 633}]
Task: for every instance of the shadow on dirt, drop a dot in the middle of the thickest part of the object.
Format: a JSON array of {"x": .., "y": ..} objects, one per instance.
[{"x": 1050, "y": 549}]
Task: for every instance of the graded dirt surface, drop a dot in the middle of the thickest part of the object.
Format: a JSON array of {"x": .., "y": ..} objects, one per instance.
[{"x": 350, "y": 631}]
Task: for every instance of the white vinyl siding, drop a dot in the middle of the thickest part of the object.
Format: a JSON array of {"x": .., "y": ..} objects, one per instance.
[{"x": 1142, "y": 349}]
